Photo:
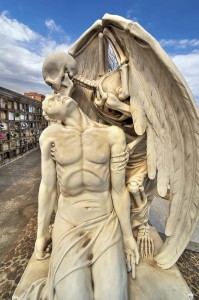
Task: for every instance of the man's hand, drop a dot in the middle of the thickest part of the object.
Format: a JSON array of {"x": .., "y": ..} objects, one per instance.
[
  {"x": 132, "y": 254},
  {"x": 43, "y": 247}
]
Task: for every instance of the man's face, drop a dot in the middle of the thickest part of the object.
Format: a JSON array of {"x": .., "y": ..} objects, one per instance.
[
  {"x": 53, "y": 107},
  {"x": 57, "y": 107}
]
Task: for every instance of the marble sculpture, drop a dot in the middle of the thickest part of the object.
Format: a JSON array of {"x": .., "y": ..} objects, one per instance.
[{"x": 124, "y": 126}]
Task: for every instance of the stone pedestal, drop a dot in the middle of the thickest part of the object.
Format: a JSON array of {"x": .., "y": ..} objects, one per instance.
[{"x": 151, "y": 283}]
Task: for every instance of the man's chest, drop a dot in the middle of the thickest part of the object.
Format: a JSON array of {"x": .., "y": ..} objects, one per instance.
[{"x": 74, "y": 147}]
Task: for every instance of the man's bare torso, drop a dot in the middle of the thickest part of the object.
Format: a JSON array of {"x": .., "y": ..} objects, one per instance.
[{"x": 82, "y": 165}]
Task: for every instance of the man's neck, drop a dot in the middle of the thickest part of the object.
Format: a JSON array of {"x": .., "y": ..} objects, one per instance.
[
  {"x": 78, "y": 120},
  {"x": 74, "y": 119}
]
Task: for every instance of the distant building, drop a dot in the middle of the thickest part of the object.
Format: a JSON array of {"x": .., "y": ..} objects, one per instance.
[
  {"x": 21, "y": 123},
  {"x": 36, "y": 96}
]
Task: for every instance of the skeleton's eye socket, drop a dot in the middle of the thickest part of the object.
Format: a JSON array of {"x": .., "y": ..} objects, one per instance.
[{"x": 63, "y": 77}]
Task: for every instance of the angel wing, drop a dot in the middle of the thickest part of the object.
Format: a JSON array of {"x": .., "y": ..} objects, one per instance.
[{"x": 160, "y": 104}]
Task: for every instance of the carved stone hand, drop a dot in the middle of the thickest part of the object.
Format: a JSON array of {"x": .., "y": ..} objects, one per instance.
[
  {"x": 132, "y": 254},
  {"x": 43, "y": 246}
]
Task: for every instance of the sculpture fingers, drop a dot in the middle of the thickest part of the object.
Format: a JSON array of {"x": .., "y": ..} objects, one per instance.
[
  {"x": 128, "y": 262},
  {"x": 150, "y": 247},
  {"x": 142, "y": 247},
  {"x": 131, "y": 249},
  {"x": 39, "y": 251},
  {"x": 137, "y": 256},
  {"x": 43, "y": 256},
  {"x": 146, "y": 247},
  {"x": 144, "y": 241},
  {"x": 132, "y": 266},
  {"x": 49, "y": 248},
  {"x": 138, "y": 242}
]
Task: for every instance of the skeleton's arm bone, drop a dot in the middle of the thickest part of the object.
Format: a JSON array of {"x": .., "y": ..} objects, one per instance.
[
  {"x": 124, "y": 89},
  {"x": 101, "y": 54},
  {"x": 133, "y": 144}
]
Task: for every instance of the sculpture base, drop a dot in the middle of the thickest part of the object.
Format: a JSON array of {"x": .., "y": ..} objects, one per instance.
[{"x": 151, "y": 282}]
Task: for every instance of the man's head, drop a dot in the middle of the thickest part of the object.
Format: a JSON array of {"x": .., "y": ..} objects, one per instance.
[
  {"x": 58, "y": 70},
  {"x": 57, "y": 107}
]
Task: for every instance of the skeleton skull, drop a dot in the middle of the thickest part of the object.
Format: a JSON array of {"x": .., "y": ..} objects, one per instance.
[{"x": 58, "y": 71}]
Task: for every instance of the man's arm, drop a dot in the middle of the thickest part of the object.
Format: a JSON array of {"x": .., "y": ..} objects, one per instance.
[
  {"x": 47, "y": 197},
  {"x": 120, "y": 195}
]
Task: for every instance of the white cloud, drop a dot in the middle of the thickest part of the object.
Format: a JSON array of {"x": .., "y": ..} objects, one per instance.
[
  {"x": 180, "y": 44},
  {"x": 188, "y": 64},
  {"x": 15, "y": 30},
  {"x": 22, "y": 52},
  {"x": 48, "y": 46},
  {"x": 129, "y": 15},
  {"x": 185, "y": 54},
  {"x": 50, "y": 23}
]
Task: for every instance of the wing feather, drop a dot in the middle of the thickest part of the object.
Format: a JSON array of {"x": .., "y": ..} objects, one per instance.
[{"x": 151, "y": 153}]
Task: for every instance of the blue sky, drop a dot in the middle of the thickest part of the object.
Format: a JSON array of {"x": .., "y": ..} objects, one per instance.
[{"x": 29, "y": 30}]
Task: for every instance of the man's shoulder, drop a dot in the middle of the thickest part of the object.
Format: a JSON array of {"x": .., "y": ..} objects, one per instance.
[
  {"x": 109, "y": 129},
  {"x": 49, "y": 133},
  {"x": 116, "y": 134},
  {"x": 115, "y": 130},
  {"x": 113, "y": 134}
]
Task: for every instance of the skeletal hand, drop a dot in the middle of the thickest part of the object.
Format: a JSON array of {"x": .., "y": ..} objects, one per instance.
[
  {"x": 144, "y": 241},
  {"x": 132, "y": 254}
]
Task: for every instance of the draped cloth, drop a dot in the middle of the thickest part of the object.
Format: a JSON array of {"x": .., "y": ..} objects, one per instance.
[{"x": 77, "y": 248}]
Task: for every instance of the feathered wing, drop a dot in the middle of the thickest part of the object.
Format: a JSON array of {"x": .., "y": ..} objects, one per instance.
[
  {"x": 161, "y": 105},
  {"x": 86, "y": 53}
]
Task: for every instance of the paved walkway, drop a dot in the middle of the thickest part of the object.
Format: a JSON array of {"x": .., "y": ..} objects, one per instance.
[{"x": 19, "y": 184}]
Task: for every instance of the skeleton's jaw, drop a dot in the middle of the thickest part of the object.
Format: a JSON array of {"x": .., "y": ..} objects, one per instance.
[
  {"x": 63, "y": 91},
  {"x": 66, "y": 91},
  {"x": 67, "y": 86},
  {"x": 55, "y": 84}
]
